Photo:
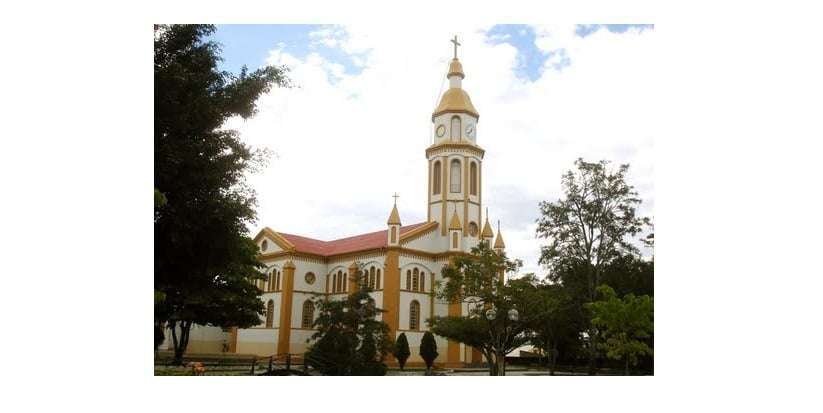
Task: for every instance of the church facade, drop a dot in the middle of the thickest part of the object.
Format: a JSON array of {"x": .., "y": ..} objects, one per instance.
[{"x": 400, "y": 262}]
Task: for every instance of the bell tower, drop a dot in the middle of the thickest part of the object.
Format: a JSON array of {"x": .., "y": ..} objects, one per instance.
[{"x": 455, "y": 160}]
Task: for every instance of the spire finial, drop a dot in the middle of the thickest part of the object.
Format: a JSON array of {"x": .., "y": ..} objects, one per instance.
[
  {"x": 395, "y": 196},
  {"x": 456, "y": 43}
]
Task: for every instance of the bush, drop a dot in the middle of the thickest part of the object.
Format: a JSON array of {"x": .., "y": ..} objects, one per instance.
[
  {"x": 428, "y": 350},
  {"x": 401, "y": 350}
]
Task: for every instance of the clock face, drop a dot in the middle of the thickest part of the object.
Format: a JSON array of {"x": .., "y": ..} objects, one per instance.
[
  {"x": 441, "y": 130},
  {"x": 470, "y": 130}
]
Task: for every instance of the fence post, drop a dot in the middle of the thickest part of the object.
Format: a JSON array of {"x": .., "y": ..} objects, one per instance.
[
  {"x": 288, "y": 362},
  {"x": 270, "y": 357},
  {"x": 253, "y": 363}
]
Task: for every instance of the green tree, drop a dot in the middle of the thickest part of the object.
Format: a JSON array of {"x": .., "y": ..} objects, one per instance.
[
  {"x": 349, "y": 339},
  {"x": 623, "y": 324},
  {"x": 551, "y": 315},
  {"x": 401, "y": 350},
  {"x": 589, "y": 227},
  {"x": 428, "y": 350},
  {"x": 204, "y": 262},
  {"x": 630, "y": 274},
  {"x": 478, "y": 278}
]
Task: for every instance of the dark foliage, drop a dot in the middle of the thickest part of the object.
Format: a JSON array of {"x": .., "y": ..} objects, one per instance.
[{"x": 204, "y": 262}]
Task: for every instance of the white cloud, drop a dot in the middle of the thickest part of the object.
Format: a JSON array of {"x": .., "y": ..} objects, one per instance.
[{"x": 345, "y": 143}]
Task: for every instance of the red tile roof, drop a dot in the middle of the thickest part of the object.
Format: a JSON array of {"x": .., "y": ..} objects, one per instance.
[{"x": 363, "y": 242}]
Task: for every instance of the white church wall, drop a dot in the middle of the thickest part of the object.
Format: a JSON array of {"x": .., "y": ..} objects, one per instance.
[
  {"x": 303, "y": 267},
  {"x": 271, "y": 246},
  {"x": 428, "y": 242},
  {"x": 259, "y": 341}
]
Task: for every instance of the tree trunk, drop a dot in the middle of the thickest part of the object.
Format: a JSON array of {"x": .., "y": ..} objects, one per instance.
[
  {"x": 592, "y": 353},
  {"x": 180, "y": 345},
  {"x": 552, "y": 359},
  {"x": 501, "y": 362}
]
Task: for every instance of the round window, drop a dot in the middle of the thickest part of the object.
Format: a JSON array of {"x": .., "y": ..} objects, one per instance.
[
  {"x": 473, "y": 229},
  {"x": 310, "y": 278},
  {"x": 265, "y": 245}
]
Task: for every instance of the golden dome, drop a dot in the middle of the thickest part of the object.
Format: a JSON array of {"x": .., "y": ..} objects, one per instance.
[
  {"x": 487, "y": 230},
  {"x": 455, "y": 100},
  {"x": 455, "y": 223},
  {"x": 394, "y": 217},
  {"x": 455, "y": 68},
  {"x": 498, "y": 243}
]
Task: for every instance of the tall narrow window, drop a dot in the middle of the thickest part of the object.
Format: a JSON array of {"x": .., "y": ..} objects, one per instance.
[
  {"x": 269, "y": 313},
  {"x": 422, "y": 281},
  {"x": 408, "y": 279},
  {"x": 437, "y": 178},
  {"x": 371, "y": 278},
  {"x": 454, "y": 239},
  {"x": 378, "y": 279},
  {"x": 393, "y": 234},
  {"x": 473, "y": 178},
  {"x": 414, "y": 315},
  {"x": 454, "y": 177},
  {"x": 308, "y": 314},
  {"x": 415, "y": 280},
  {"x": 455, "y": 128},
  {"x": 345, "y": 282}
]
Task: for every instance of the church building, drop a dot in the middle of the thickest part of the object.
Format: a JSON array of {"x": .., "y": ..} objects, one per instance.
[{"x": 400, "y": 262}]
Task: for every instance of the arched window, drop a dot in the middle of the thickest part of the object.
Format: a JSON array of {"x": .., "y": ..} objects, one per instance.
[
  {"x": 270, "y": 282},
  {"x": 473, "y": 178},
  {"x": 415, "y": 280},
  {"x": 414, "y": 315},
  {"x": 455, "y": 128},
  {"x": 422, "y": 281},
  {"x": 308, "y": 314},
  {"x": 345, "y": 282},
  {"x": 378, "y": 279},
  {"x": 408, "y": 280},
  {"x": 339, "y": 281},
  {"x": 277, "y": 282},
  {"x": 269, "y": 313},
  {"x": 454, "y": 177},
  {"x": 371, "y": 278},
  {"x": 393, "y": 234},
  {"x": 437, "y": 178}
]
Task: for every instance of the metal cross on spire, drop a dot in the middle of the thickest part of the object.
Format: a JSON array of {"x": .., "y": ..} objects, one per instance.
[
  {"x": 455, "y": 46},
  {"x": 395, "y": 196}
]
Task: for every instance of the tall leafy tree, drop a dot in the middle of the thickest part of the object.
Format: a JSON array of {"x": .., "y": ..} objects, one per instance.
[
  {"x": 592, "y": 225},
  {"x": 624, "y": 325},
  {"x": 401, "y": 350},
  {"x": 552, "y": 317},
  {"x": 477, "y": 278},
  {"x": 350, "y": 341},
  {"x": 205, "y": 265}
]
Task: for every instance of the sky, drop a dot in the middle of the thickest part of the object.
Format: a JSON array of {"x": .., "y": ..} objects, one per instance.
[{"x": 353, "y": 129}]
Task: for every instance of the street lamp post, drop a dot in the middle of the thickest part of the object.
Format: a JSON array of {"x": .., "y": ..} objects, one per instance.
[{"x": 500, "y": 335}]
